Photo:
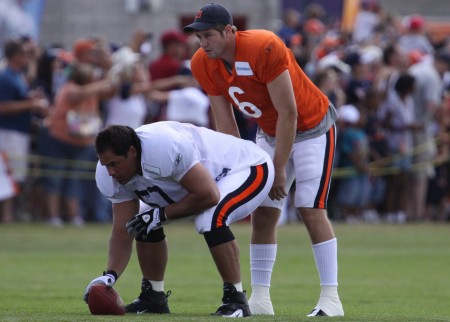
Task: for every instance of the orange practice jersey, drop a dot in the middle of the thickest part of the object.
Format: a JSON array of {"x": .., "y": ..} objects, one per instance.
[{"x": 260, "y": 57}]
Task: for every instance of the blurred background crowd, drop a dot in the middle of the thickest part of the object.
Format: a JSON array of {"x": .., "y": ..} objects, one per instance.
[{"x": 388, "y": 77}]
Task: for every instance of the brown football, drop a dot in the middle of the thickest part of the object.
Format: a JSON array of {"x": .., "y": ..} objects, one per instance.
[{"x": 104, "y": 300}]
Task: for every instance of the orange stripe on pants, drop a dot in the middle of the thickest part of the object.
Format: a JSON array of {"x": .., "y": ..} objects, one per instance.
[
  {"x": 329, "y": 168},
  {"x": 233, "y": 201}
]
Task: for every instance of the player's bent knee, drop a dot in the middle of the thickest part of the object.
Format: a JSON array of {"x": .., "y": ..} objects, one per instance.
[
  {"x": 218, "y": 236},
  {"x": 265, "y": 218},
  {"x": 155, "y": 236}
]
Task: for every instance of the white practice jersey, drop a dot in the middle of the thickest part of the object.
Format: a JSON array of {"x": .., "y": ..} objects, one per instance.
[{"x": 169, "y": 150}]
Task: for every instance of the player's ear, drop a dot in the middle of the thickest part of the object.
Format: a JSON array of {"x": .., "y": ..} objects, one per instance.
[
  {"x": 228, "y": 30},
  {"x": 132, "y": 152}
]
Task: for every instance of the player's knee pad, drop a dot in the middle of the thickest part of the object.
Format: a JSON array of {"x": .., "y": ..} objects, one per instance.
[
  {"x": 155, "y": 236},
  {"x": 218, "y": 236}
]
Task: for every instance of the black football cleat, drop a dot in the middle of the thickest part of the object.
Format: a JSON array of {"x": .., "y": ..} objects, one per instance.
[
  {"x": 149, "y": 301},
  {"x": 234, "y": 303},
  {"x": 317, "y": 312},
  {"x": 328, "y": 307}
]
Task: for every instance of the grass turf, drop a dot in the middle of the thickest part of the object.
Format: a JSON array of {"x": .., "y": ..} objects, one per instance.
[{"x": 386, "y": 273}]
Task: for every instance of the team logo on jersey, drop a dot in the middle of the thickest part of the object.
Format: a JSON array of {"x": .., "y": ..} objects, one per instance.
[
  {"x": 223, "y": 174},
  {"x": 151, "y": 170},
  {"x": 178, "y": 159},
  {"x": 243, "y": 68}
]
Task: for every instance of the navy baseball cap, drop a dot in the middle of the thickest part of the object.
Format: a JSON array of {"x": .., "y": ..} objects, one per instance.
[{"x": 208, "y": 17}]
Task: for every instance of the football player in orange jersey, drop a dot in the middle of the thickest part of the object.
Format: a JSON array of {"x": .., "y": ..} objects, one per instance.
[{"x": 257, "y": 74}]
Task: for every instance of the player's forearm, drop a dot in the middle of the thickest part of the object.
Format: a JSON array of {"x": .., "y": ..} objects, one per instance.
[
  {"x": 285, "y": 136},
  {"x": 120, "y": 248},
  {"x": 223, "y": 114},
  {"x": 230, "y": 127},
  {"x": 190, "y": 205},
  {"x": 282, "y": 95}
]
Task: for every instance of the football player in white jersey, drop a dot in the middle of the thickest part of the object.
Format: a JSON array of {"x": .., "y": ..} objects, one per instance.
[{"x": 178, "y": 170}]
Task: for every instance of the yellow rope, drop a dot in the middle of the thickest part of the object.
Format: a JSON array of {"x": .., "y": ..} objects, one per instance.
[{"x": 380, "y": 167}]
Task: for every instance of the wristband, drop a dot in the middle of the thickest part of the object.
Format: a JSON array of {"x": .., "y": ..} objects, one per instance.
[{"x": 111, "y": 272}]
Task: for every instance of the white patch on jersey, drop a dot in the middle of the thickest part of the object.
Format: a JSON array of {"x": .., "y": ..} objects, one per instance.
[
  {"x": 243, "y": 68},
  {"x": 151, "y": 170},
  {"x": 146, "y": 218}
]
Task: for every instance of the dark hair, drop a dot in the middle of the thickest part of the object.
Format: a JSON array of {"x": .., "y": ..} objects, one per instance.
[
  {"x": 220, "y": 27},
  {"x": 388, "y": 52},
  {"x": 118, "y": 139},
  {"x": 405, "y": 84},
  {"x": 12, "y": 47}
]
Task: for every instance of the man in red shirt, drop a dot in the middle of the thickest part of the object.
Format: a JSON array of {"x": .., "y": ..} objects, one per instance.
[
  {"x": 169, "y": 63},
  {"x": 257, "y": 74}
]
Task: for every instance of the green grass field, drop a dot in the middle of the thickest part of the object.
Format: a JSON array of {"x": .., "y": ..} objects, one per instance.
[{"x": 386, "y": 273}]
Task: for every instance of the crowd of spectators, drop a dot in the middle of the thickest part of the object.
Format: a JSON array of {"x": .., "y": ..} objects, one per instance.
[
  {"x": 387, "y": 79},
  {"x": 390, "y": 84},
  {"x": 53, "y": 101}
]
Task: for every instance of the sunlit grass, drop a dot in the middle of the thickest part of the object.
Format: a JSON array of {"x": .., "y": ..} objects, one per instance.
[{"x": 386, "y": 273}]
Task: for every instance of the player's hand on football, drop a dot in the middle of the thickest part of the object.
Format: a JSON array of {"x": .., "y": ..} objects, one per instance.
[
  {"x": 141, "y": 224},
  {"x": 107, "y": 279}
]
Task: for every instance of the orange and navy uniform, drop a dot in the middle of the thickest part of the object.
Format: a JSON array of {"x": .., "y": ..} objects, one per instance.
[{"x": 260, "y": 57}]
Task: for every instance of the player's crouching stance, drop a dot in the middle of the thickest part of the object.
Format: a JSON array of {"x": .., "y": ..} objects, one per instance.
[{"x": 179, "y": 170}]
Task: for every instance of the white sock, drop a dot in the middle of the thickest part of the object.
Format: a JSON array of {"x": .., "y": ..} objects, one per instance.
[
  {"x": 157, "y": 286},
  {"x": 262, "y": 259},
  {"x": 238, "y": 286},
  {"x": 260, "y": 291},
  {"x": 325, "y": 254},
  {"x": 329, "y": 292}
]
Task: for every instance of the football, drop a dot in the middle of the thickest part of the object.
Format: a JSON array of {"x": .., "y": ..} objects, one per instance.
[{"x": 104, "y": 300}]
